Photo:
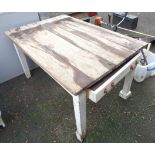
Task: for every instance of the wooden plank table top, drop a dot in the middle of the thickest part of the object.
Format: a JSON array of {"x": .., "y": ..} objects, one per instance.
[{"x": 74, "y": 53}]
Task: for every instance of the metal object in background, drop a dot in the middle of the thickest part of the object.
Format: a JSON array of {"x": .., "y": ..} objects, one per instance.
[
  {"x": 135, "y": 34},
  {"x": 118, "y": 27},
  {"x": 125, "y": 20}
]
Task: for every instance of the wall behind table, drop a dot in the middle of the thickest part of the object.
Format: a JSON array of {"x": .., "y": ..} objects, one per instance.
[{"x": 10, "y": 66}]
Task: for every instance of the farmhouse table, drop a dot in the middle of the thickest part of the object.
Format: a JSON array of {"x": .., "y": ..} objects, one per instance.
[{"x": 86, "y": 60}]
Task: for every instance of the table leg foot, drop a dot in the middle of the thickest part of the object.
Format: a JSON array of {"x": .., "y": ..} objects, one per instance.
[
  {"x": 125, "y": 92},
  {"x": 124, "y": 95},
  {"x": 80, "y": 137},
  {"x": 1, "y": 121}
]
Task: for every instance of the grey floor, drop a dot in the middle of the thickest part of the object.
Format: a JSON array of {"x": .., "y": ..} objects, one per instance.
[{"x": 39, "y": 110}]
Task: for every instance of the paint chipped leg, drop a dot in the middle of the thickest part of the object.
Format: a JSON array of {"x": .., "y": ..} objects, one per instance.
[
  {"x": 23, "y": 61},
  {"x": 79, "y": 103},
  {"x": 1, "y": 121},
  {"x": 125, "y": 93}
]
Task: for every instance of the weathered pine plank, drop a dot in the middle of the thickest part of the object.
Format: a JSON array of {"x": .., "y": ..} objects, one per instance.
[
  {"x": 76, "y": 54},
  {"x": 112, "y": 36}
]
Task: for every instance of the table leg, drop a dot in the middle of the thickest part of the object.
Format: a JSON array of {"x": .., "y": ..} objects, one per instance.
[
  {"x": 1, "y": 121},
  {"x": 23, "y": 61},
  {"x": 125, "y": 92},
  {"x": 79, "y": 103}
]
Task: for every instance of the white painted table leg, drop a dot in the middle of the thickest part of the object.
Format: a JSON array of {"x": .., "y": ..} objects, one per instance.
[
  {"x": 79, "y": 103},
  {"x": 1, "y": 121},
  {"x": 23, "y": 61},
  {"x": 125, "y": 92}
]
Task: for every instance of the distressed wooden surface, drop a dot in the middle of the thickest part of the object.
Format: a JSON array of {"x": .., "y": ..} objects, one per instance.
[{"x": 75, "y": 53}]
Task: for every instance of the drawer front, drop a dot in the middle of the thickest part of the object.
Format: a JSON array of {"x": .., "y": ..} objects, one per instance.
[{"x": 108, "y": 85}]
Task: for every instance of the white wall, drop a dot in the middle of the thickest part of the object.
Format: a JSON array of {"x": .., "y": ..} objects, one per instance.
[{"x": 10, "y": 66}]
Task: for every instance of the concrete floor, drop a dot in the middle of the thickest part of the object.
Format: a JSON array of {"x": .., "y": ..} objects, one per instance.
[{"x": 39, "y": 110}]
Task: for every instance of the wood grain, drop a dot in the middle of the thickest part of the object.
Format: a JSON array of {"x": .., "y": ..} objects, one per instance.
[{"x": 75, "y": 53}]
